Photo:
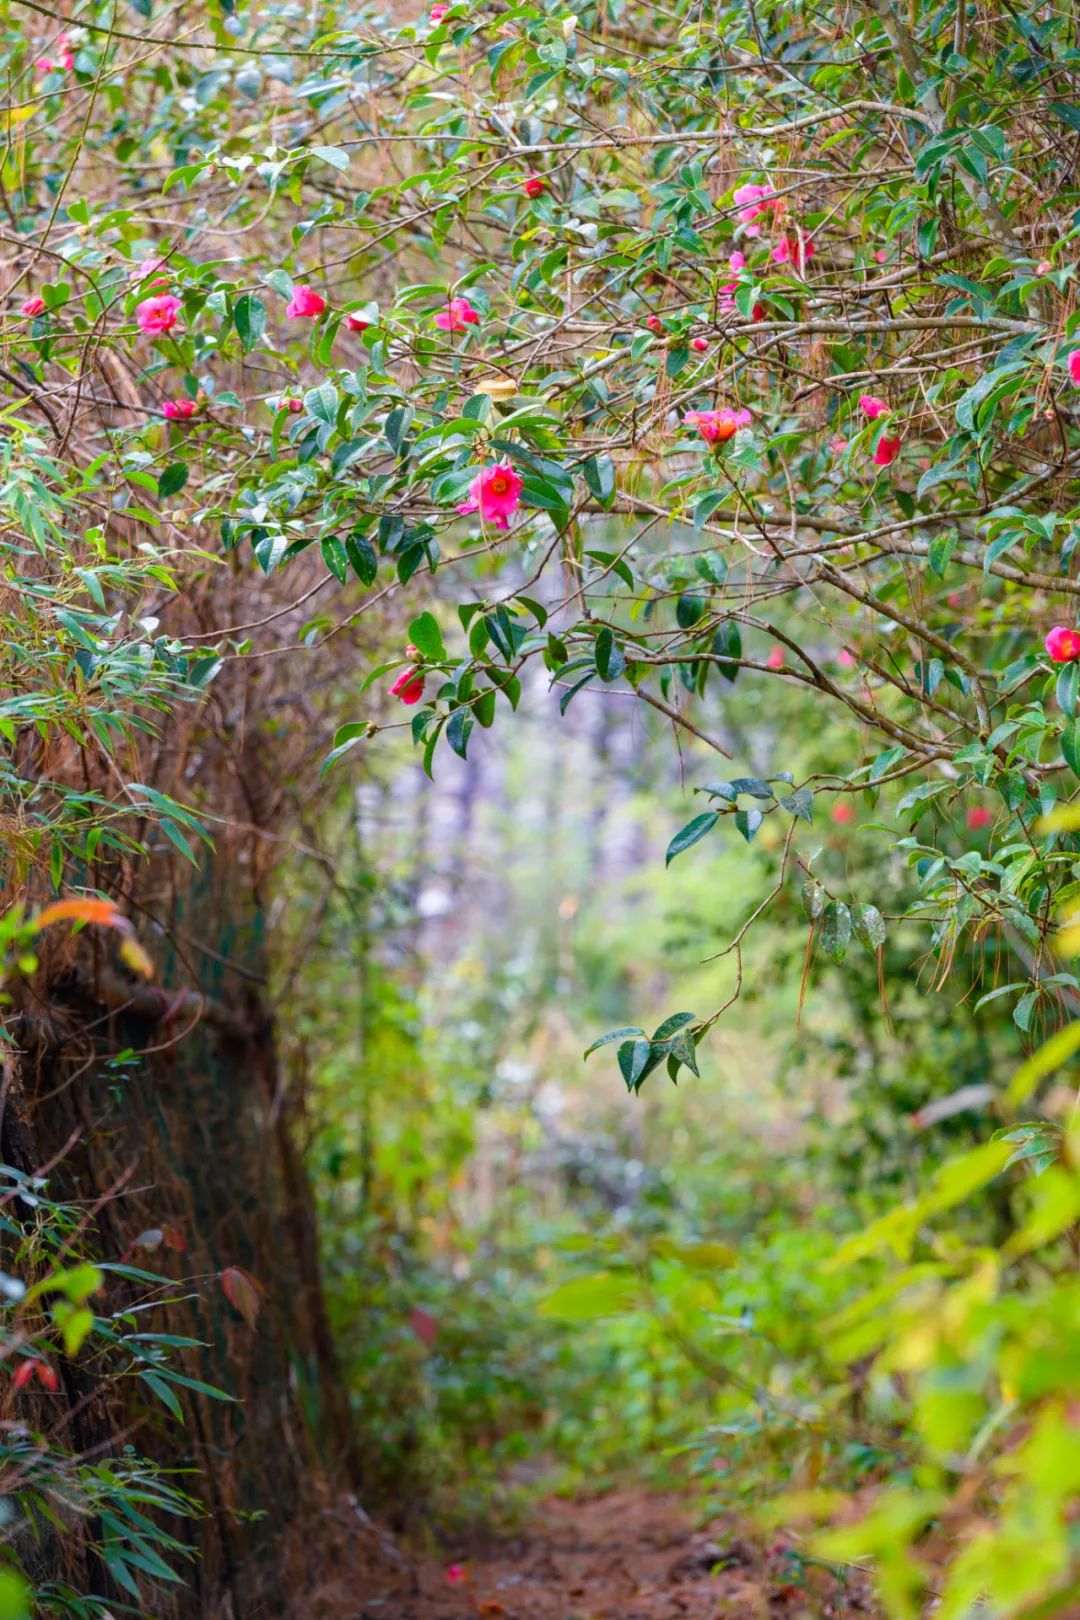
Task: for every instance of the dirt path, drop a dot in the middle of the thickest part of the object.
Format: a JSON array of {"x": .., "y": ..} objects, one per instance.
[{"x": 631, "y": 1555}]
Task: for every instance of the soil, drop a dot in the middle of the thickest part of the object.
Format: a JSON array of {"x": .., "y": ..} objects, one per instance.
[{"x": 630, "y": 1555}]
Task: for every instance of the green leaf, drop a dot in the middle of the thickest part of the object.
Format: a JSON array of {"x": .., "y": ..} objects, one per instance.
[
  {"x": 671, "y": 1026},
  {"x": 279, "y": 281},
  {"x": 600, "y": 477},
  {"x": 458, "y": 728},
  {"x": 584, "y": 1299},
  {"x": 426, "y": 637},
  {"x": 813, "y": 899},
  {"x": 727, "y": 645},
  {"x": 610, "y": 662},
  {"x": 800, "y": 803},
  {"x": 1068, "y": 688},
  {"x": 334, "y": 155},
  {"x": 322, "y": 403},
  {"x": 333, "y": 555},
  {"x": 748, "y": 822},
  {"x": 835, "y": 930},
  {"x": 1067, "y": 113},
  {"x": 688, "y": 610},
  {"x": 942, "y": 547},
  {"x": 691, "y": 834},
  {"x": 612, "y": 1035},
  {"x": 1070, "y": 745},
  {"x": 869, "y": 926},
  {"x": 172, "y": 479},
  {"x": 249, "y": 318},
  {"x": 361, "y": 554}
]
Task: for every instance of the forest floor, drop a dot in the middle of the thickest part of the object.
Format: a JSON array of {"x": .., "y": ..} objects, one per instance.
[{"x": 629, "y": 1555}]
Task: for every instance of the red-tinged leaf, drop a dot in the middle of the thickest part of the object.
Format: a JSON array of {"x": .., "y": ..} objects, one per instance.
[
  {"x": 423, "y": 1325},
  {"x": 173, "y": 1238},
  {"x": 22, "y": 1375},
  {"x": 243, "y": 1293},
  {"x": 48, "y": 1377}
]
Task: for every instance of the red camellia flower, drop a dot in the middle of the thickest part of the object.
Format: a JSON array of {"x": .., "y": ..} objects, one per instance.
[
  {"x": 178, "y": 410},
  {"x": 291, "y": 404},
  {"x": 978, "y": 817},
  {"x": 886, "y": 452},
  {"x": 356, "y": 323},
  {"x": 1074, "y": 367},
  {"x": 34, "y": 306},
  {"x": 843, "y": 813},
  {"x": 654, "y": 323},
  {"x": 157, "y": 314},
  {"x": 700, "y": 344},
  {"x": 305, "y": 303},
  {"x": 535, "y": 185},
  {"x": 1063, "y": 644},
  {"x": 775, "y": 659},
  {"x": 455, "y": 1574}
]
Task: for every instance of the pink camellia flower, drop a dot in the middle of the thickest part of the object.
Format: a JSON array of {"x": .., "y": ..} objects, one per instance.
[
  {"x": 837, "y": 444},
  {"x": 356, "y": 323},
  {"x": 842, "y": 813},
  {"x": 737, "y": 262},
  {"x": 716, "y": 427},
  {"x": 305, "y": 303},
  {"x": 65, "y": 57},
  {"x": 153, "y": 270},
  {"x": 775, "y": 659},
  {"x": 872, "y": 406},
  {"x": 495, "y": 493},
  {"x": 654, "y": 324},
  {"x": 754, "y": 202},
  {"x": 458, "y": 315},
  {"x": 700, "y": 344},
  {"x": 978, "y": 817},
  {"x": 1074, "y": 366},
  {"x": 437, "y": 13},
  {"x": 886, "y": 452},
  {"x": 290, "y": 403},
  {"x": 793, "y": 250},
  {"x": 455, "y": 1574},
  {"x": 881, "y": 256},
  {"x": 845, "y": 659},
  {"x": 534, "y": 185},
  {"x": 158, "y": 314},
  {"x": 1063, "y": 644},
  {"x": 409, "y": 686},
  {"x": 1043, "y": 268},
  {"x": 178, "y": 410},
  {"x": 34, "y": 306}
]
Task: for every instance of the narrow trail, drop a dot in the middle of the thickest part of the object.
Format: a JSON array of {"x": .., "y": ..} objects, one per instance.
[{"x": 630, "y": 1555}]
